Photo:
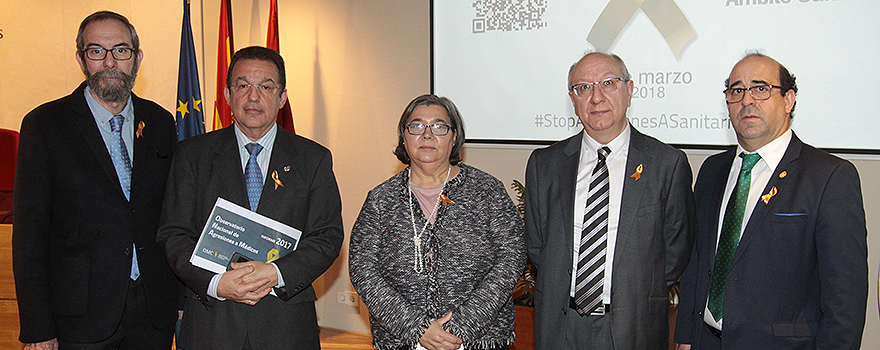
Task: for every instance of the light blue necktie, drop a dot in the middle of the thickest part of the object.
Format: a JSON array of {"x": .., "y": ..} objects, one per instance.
[
  {"x": 119, "y": 155},
  {"x": 253, "y": 176}
]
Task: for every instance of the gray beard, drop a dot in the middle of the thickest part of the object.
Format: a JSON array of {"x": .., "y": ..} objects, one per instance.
[{"x": 107, "y": 90}]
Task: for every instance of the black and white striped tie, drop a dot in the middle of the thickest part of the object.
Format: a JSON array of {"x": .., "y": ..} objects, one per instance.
[{"x": 591, "y": 256}]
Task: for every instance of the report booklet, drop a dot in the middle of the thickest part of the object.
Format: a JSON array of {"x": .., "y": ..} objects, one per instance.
[{"x": 234, "y": 229}]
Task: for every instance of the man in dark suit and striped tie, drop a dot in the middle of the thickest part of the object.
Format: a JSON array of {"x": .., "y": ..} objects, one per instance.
[{"x": 609, "y": 222}]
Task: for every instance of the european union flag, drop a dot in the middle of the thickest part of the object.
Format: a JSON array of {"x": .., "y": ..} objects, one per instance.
[{"x": 189, "y": 117}]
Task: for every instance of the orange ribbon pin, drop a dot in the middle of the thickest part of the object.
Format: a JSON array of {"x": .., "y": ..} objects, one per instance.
[
  {"x": 140, "y": 130},
  {"x": 638, "y": 174},
  {"x": 445, "y": 200},
  {"x": 766, "y": 197},
  {"x": 277, "y": 181}
]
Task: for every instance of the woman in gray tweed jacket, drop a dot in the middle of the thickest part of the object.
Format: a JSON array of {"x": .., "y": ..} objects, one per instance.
[{"x": 438, "y": 247}]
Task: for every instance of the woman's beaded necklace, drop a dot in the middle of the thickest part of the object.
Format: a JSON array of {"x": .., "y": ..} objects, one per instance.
[{"x": 419, "y": 264}]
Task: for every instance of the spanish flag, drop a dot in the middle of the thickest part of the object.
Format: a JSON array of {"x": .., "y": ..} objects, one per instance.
[
  {"x": 285, "y": 116},
  {"x": 222, "y": 112}
]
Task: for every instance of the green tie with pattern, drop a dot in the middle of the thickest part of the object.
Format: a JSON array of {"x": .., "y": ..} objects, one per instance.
[{"x": 731, "y": 229}]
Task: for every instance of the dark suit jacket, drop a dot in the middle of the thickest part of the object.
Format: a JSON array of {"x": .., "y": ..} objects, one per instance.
[
  {"x": 209, "y": 166},
  {"x": 654, "y": 239},
  {"x": 74, "y": 229},
  {"x": 799, "y": 277}
]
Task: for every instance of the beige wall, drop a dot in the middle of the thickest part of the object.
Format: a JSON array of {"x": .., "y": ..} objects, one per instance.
[
  {"x": 37, "y": 61},
  {"x": 352, "y": 67}
]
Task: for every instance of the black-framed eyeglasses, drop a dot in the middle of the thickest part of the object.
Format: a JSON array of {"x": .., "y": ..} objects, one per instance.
[
  {"x": 436, "y": 129},
  {"x": 262, "y": 89},
  {"x": 609, "y": 85},
  {"x": 97, "y": 53},
  {"x": 758, "y": 92}
]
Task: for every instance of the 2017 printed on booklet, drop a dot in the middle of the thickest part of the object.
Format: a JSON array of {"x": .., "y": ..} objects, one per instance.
[{"x": 234, "y": 229}]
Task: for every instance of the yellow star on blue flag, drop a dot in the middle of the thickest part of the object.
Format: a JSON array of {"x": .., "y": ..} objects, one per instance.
[{"x": 182, "y": 108}]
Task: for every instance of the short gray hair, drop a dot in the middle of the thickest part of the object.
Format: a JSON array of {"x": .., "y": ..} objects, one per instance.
[
  {"x": 626, "y": 76},
  {"x": 101, "y": 16}
]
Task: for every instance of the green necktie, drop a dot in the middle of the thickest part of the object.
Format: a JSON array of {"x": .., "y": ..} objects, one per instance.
[{"x": 731, "y": 229}]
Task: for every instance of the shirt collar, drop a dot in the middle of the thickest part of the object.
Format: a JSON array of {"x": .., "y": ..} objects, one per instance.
[
  {"x": 618, "y": 145},
  {"x": 101, "y": 114},
  {"x": 265, "y": 141},
  {"x": 772, "y": 152}
]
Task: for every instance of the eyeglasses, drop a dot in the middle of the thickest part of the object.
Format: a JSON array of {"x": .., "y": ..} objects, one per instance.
[
  {"x": 97, "y": 53},
  {"x": 262, "y": 89},
  {"x": 609, "y": 85},
  {"x": 758, "y": 92},
  {"x": 436, "y": 129}
]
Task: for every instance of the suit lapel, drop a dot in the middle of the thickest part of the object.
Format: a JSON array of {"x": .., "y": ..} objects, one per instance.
[
  {"x": 85, "y": 124},
  {"x": 567, "y": 180},
  {"x": 716, "y": 196},
  {"x": 759, "y": 214},
  {"x": 227, "y": 164},
  {"x": 283, "y": 156},
  {"x": 143, "y": 146},
  {"x": 633, "y": 190}
]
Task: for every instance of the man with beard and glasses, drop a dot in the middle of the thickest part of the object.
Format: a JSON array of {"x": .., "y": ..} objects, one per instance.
[{"x": 89, "y": 186}]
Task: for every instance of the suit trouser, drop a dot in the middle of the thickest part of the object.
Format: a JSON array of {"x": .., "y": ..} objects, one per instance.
[
  {"x": 587, "y": 332},
  {"x": 705, "y": 339},
  {"x": 135, "y": 331}
]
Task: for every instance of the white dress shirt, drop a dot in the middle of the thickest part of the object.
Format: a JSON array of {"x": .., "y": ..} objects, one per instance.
[{"x": 616, "y": 162}]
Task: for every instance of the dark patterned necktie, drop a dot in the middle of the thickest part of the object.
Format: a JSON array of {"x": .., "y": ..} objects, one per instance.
[{"x": 731, "y": 229}]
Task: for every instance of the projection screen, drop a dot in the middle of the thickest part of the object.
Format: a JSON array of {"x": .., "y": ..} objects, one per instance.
[{"x": 505, "y": 64}]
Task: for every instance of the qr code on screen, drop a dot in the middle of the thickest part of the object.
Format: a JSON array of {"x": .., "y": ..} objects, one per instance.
[{"x": 508, "y": 15}]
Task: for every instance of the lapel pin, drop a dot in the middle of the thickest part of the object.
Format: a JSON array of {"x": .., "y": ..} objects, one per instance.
[
  {"x": 766, "y": 197},
  {"x": 287, "y": 169},
  {"x": 140, "y": 130},
  {"x": 277, "y": 181},
  {"x": 445, "y": 200},
  {"x": 638, "y": 174},
  {"x": 783, "y": 174}
]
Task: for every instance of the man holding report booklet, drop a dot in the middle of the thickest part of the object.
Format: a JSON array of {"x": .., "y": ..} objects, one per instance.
[{"x": 278, "y": 212}]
